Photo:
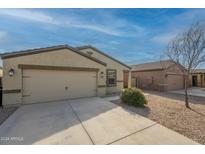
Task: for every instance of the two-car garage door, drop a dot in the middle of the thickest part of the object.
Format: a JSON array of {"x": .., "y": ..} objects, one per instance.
[{"x": 50, "y": 85}]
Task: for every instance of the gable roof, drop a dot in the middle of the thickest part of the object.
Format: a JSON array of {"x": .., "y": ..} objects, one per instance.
[
  {"x": 158, "y": 65},
  {"x": 47, "y": 49},
  {"x": 102, "y": 53}
]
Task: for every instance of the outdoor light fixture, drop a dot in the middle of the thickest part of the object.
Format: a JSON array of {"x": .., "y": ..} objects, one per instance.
[
  {"x": 102, "y": 74},
  {"x": 11, "y": 72}
]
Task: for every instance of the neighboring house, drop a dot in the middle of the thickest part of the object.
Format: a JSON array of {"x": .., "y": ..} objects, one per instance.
[
  {"x": 198, "y": 78},
  {"x": 59, "y": 73},
  {"x": 159, "y": 75}
]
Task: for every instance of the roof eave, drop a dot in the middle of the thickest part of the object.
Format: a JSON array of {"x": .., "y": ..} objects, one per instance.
[
  {"x": 148, "y": 70},
  {"x": 31, "y": 51},
  {"x": 41, "y": 50}
]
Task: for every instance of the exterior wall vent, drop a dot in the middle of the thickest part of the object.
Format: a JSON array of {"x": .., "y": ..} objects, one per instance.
[{"x": 89, "y": 53}]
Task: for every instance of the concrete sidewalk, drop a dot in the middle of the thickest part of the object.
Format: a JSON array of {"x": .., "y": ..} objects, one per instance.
[
  {"x": 195, "y": 91},
  {"x": 84, "y": 121}
]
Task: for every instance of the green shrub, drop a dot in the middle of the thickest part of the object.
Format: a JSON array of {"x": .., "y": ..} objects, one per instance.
[{"x": 133, "y": 96}]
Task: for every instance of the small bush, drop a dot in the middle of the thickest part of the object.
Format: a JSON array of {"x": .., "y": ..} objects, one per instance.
[{"x": 133, "y": 96}]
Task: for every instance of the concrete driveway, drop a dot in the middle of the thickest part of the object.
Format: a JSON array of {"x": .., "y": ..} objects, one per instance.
[{"x": 83, "y": 121}]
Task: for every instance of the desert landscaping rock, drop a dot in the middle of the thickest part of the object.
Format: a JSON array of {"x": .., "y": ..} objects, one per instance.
[{"x": 169, "y": 110}]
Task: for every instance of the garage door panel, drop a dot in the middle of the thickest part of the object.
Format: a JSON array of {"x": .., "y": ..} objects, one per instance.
[
  {"x": 50, "y": 85},
  {"x": 175, "y": 82}
]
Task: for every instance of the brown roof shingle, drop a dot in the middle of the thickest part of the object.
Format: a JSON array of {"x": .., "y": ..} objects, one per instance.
[{"x": 158, "y": 65}]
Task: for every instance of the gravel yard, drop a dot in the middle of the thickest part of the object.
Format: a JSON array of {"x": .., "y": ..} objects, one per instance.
[
  {"x": 5, "y": 113},
  {"x": 169, "y": 110}
]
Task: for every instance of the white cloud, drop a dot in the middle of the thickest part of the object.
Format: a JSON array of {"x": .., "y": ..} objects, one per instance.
[
  {"x": 164, "y": 38},
  {"x": 37, "y": 16},
  {"x": 4, "y": 38},
  {"x": 107, "y": 23},
  {"x": 192, "y": 15},
  {"x": 179, "y": 24},
  {"x": 28, "y": 15},
  {"x": 97, "y": 28},
  {"x": 76, "y": 21}
]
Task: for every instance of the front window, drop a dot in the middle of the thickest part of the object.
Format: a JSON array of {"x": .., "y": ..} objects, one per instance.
[{"x": 111, "y": 78}]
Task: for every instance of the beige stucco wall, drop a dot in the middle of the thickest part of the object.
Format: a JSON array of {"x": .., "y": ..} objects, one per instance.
[
  {"x": 152, "y": 80},
  {"x": 63, "y": 57},
  {"x": 111, "y": 64},
  {"x": 1, "y": 72},
  {"x": 161, "y": 80}
]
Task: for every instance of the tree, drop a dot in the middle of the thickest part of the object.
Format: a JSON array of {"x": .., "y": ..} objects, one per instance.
[{"x": 187, "y": 50}]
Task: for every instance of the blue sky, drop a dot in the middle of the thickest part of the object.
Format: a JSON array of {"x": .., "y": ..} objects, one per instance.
[{"x": 130, "y": 35}]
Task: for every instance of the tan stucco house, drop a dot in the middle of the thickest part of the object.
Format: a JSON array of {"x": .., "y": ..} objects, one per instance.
[
  {"x": 59, "y": 73},
  {"x": 159, "y": 75}
]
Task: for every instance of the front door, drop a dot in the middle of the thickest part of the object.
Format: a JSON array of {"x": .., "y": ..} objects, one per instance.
[{"x": 194, "y": 80}]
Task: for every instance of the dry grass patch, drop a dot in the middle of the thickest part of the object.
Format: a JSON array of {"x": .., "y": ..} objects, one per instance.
[{"x": 170, "y": 111}]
